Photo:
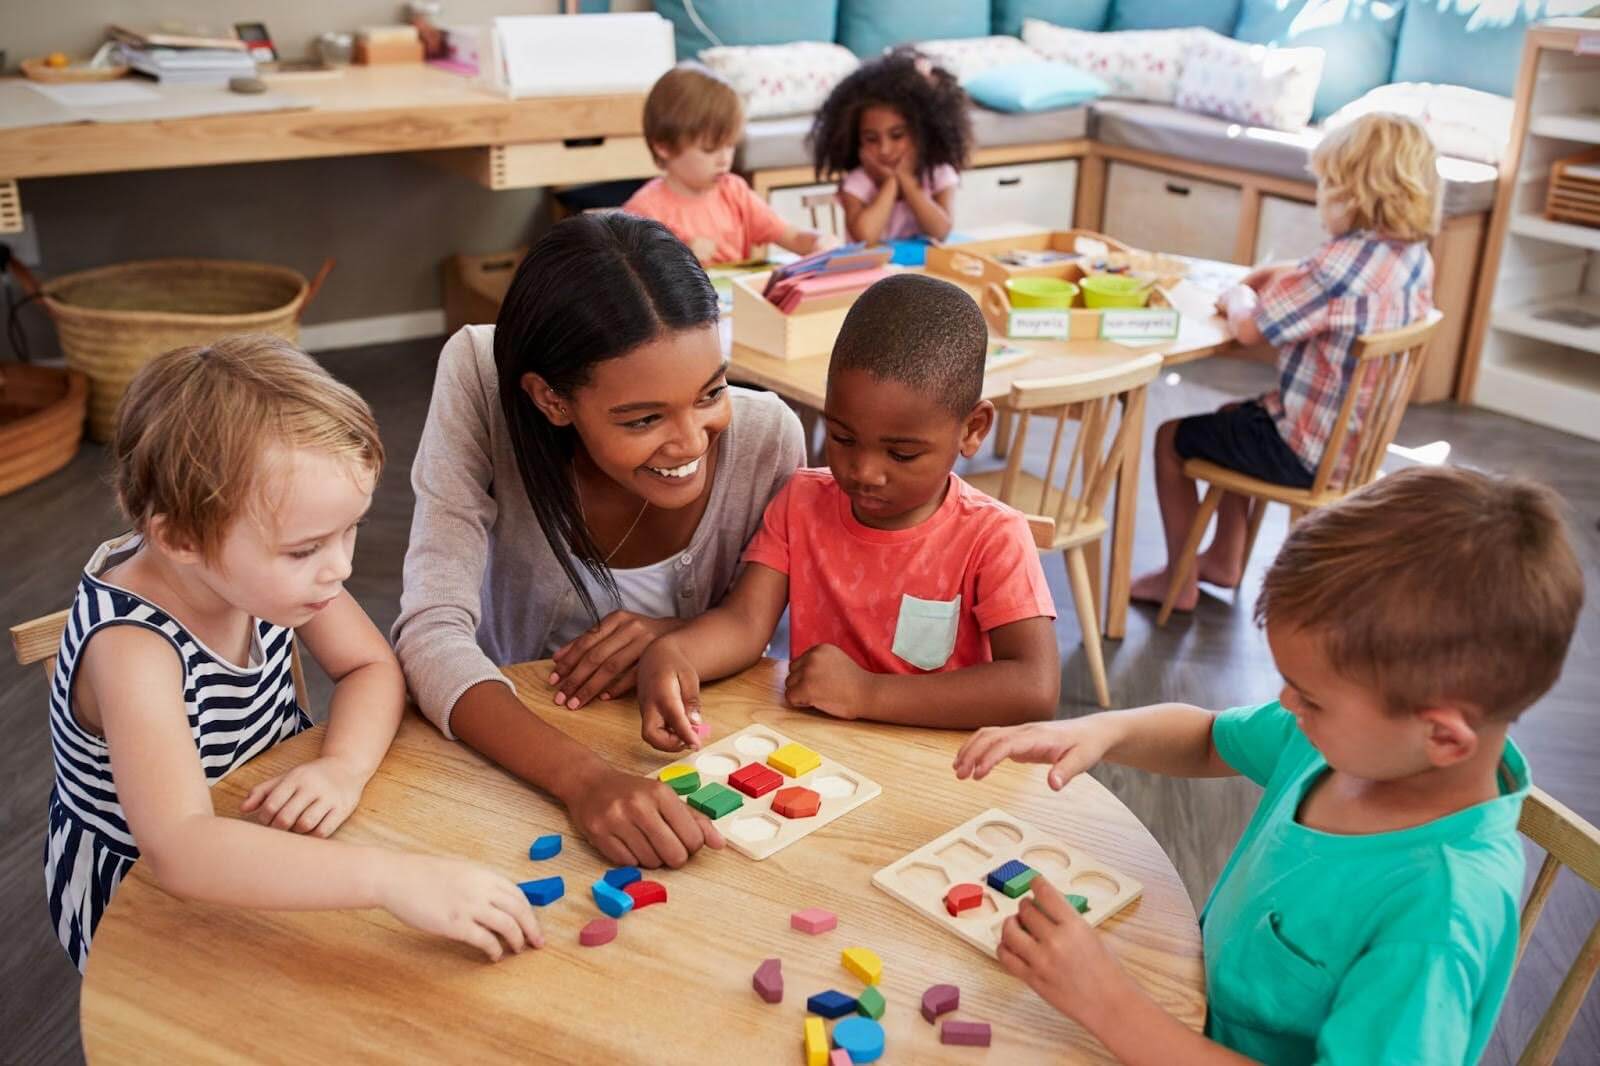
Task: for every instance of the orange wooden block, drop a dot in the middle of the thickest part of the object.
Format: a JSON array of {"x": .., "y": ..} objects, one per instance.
[{"x": 796, "y": 801}]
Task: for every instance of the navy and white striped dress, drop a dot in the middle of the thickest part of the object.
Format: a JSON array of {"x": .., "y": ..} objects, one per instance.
[{"x": 235, "y": 713}]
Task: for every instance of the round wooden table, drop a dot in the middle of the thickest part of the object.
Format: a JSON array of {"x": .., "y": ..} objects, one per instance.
[{"x": 169, "y": 980}]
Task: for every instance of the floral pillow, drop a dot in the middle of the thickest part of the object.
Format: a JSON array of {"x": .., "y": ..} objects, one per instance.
[
  {"x": 1464, "y": 123},
  {"x": 781, "y": 79},
  {"x": 968, "y": 57},
  {"x": 1250, "y": 83},
  {"x": 1134, "y": 64}
]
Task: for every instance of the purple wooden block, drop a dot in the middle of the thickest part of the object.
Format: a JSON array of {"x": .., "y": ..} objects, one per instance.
[
  {"x": 974, "y": 1033},
  {"x": 768, "y": 981},
  {"x": 940, "y": 999}
]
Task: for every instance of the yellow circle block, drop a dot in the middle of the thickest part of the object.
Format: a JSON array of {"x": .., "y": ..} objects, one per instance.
[{"x": 675, "y": 771}]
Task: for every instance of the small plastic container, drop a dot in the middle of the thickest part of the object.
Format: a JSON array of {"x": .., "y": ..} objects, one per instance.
[
  {"x": 1041, "y": 293},
  {"x": 1115, "y": 290}
]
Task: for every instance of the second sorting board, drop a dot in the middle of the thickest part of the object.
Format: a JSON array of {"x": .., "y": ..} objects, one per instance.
[
  {"x": 754, "y": 829},
  {"x": 969, "y": 851}
]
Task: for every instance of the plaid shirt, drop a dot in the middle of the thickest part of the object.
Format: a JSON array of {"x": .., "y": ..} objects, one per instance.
[{"x": 1313, "y": 312}]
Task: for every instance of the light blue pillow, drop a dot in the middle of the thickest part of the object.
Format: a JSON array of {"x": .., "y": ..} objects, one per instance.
[
  {"x": 1039, "y": 86},
  {"x": 1463, "y": 42},
  {"x": 740, "y": 22},
  {"x": 1358, "y": 40},
  {"x": 1219, "y": 15},
  {"x": 1073, "y": 14},
  {"x": 867, "y": 27}
]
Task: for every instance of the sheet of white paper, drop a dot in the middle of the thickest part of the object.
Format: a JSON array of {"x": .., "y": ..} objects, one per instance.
[{"x": 98, "y": 93}]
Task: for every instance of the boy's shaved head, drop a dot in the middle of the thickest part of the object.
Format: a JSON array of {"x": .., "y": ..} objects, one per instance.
[{"x": 922, "y": 332}]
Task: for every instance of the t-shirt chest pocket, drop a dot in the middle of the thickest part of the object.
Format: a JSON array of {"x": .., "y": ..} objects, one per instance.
[
  {"x": 1264, "y": 981},
  {"x": 925, "y": 633}
]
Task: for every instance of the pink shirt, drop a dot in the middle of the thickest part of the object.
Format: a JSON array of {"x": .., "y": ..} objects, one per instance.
[
  {"x": 902, "y": 220},
  {"x": 931, "y": 592},
  {"x": 731, "y": 214}
]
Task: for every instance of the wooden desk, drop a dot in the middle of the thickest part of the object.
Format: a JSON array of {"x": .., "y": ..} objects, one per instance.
[
  {"x": 170, "y": 980},
  {"x": 1201, "y": 333}
]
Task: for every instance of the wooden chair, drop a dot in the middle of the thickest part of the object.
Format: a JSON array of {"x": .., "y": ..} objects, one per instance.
[
  {"x": 816, "y": 203},
  {"x": 1386, "y": 369},
  {"x": 36, "y": 641},
  {"x": 1568, "y": 840},
  {"x": 1069, "y": 515}
]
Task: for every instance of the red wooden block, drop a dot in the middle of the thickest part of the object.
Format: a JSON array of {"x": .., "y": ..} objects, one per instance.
[
  {"x": 645, "y": 893},
  {"x": 796, "y": 801},
  {"x": 755, "y": 780},
  {"x": 600, "y": 931},
  {"x": 963, "y": 897}
]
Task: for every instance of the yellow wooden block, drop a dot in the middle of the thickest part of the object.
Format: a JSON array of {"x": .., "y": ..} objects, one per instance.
[
  {"x": 864, "y": 963},
  {"x": 675, "y": 771},
  {"x": 816, "y": 1042},
  {"x": 795, "y": 760}
]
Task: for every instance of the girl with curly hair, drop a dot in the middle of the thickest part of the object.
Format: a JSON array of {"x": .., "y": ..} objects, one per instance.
[{"x": 897, "y": 130}]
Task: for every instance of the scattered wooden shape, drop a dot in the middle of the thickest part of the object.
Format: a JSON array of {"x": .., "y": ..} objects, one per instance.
[
  {"x": 715, "y": 800},
  {"x": 545, "y": 847},
  {"x": 613, "y": 901},
  {"x": 1019, "y": 884},
  {"x": 1002, "y": 875},
  {"x": 645, "y": 893},
  {"x": 796, "y": 801},
  {"x": 600, "y": 931},
  {"x": 1079, "y": 903},
  {"x": 675, "y": 771},
  {"x": 963, "y": 897},
  {"x": 940, "y": 999},
  {"x": 973, "y": 1034},
  {"x": 768, "y": 980},
  {"x": 831, "y": 1004},
  {"x": 702, "y": 730},
  {"x": 870, "y": 1003},
  {"x": 795, "y": 760},
  {"x": 861, "y": 1037},
  {"x": 545, "y": 891},
  {"x": 683, "y": 784},
  {"x": 839, "y": 1057},
  {"x": 755, "y": 780},
  {"x": 863, "y": 963},
  {"x": 813, "y": 920},
  {"x": 622, "y": 876},
  {"x": 816, "y": 1042}
]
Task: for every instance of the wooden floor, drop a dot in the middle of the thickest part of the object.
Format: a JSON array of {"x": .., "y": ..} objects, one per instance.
[{"x": 1216, "y": 658}]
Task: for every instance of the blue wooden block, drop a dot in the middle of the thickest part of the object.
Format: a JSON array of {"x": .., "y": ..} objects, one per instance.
[
  {"x": 613, "y": 901},
  {"x": 831, "y": 1004},
  {"x": 1005, "y": 872},
  {"x": 861, "y": 1038},
  {"x": 622, "y": 876},
  {"x": 546, "y": 847},
  {"x": 545, "y": 891}
]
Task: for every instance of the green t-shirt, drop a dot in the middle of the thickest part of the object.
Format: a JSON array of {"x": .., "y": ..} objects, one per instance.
[{"x": 1384, "y": 947}]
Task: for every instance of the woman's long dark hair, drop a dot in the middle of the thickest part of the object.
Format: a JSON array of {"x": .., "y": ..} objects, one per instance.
[{"x": 593, "y": 288}]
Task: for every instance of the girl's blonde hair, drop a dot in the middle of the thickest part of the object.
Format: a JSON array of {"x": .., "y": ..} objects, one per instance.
[
  {"x": 194, "y": 424},
  {"x": 1383, "y": 171}
]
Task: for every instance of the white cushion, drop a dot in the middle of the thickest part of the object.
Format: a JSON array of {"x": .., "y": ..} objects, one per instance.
[
  {"x": 968, "y": 57},
  {"x": 781, "y": 79},
  {"x": 1250, "y": 83},
  {"x": 1464, "y": 123},
  {"x": 1134, "y": 64}
]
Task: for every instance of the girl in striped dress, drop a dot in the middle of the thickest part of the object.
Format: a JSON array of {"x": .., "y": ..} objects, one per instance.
[{"x": 245, "y": 470}]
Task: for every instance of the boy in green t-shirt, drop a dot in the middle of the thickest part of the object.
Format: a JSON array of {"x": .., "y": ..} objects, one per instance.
[{"x": 1369, "y": 913}]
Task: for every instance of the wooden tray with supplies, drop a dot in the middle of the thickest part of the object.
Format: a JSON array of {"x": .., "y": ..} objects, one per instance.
[
  {"x": 1575, "y": 189},
  {"x": 809, "y": 331}
]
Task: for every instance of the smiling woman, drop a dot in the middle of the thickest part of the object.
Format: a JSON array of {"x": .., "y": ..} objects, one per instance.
[{"x": 585, "y": 482}]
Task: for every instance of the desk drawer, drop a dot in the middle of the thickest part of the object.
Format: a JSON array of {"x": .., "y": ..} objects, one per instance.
[
  {"x": 1038, "y": 194},
  {"x": 571, "y": 162},
  {"x": 1164, "y": 212},
  {"x": 1289, "y": 229}
]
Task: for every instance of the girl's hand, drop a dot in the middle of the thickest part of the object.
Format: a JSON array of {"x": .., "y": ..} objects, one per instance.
[
  {"x": 669, "y": 699},
  {"x": 877, "y": 171},
  {"x": 1049, "y": 946},
  {"x": 638, "y": 821},
  {"x": 828, "y": 680},
  {"x": 1072, "y": 746},
  {"x": 314, "y": 798},
  {"x": 603, "y": 661},
  {"x": 906, "y": 169},
  {"x": 460, "y": 900}
]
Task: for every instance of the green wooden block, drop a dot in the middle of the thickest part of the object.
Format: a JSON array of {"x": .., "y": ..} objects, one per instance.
[
  {"x": 716, "y": 800},
  {"x": 684, "y": 784},
  {"x": 1019, "y": 884},
  {"x": 1080, "y": 902},
  {"x": 870, "y": 1002}
]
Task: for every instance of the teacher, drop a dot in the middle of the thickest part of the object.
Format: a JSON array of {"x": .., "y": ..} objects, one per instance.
[{"x": 585, "y": 482}]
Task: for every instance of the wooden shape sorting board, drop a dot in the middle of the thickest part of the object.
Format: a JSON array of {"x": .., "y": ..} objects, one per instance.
[
  {"x": 968, "y": 852},
  {"x": 754, "y": 829}
]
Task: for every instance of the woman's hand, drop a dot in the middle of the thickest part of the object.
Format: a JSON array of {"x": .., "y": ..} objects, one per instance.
[
  {"x": 314, "y": 797},
  {"x": 604, "y": 661},
  {"x": 638, "y": 821},
  {"x": 460, "y": 900},
  {"x": 1072, "y": 746}
]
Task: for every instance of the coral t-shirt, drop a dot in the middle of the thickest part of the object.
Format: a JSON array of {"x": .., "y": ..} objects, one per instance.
[
  {"x": 900, "y": 601},
  {"x": 730, "y": 214}
]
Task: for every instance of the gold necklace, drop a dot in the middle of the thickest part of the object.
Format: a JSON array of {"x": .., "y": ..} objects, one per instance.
[{"x": 577, "y": 486}]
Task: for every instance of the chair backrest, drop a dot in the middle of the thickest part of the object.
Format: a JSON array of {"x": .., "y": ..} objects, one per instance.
[
  {"x": 36, "y": 641},
  {"x": 817, "y": 202},
  {"x": 1094, "y": 400},
  {"x": 1568, "y": 840},
  {"x": 1387, "y": 366}
]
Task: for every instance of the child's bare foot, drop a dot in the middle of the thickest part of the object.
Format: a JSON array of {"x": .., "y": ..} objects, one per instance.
[
  {"x": 1152, "y": 588},
  {"x": 1215, "y": 572}
]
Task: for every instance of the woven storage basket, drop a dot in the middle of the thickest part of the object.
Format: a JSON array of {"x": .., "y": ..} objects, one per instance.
[
  {"x": 113, "y": 320},
  {"x": 41, "y": 422}
]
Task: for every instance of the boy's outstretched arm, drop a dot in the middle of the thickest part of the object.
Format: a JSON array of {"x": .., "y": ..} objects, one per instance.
[
  {"x": 1022, "y": 684},
  {"x": 723, "y": 641}
]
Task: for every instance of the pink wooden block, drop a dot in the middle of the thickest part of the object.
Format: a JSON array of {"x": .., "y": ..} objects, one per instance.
[
  {"x": 974, "y": 1034},
  {"x": 840, "y": 1057},
  {"x": 813, "y": 920},
  {"x": 768, "y": 981},
  {"x": 600, "y": 931}
]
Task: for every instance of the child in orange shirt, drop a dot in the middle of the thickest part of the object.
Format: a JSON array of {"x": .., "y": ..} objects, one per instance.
[
  {"x": 912, "y": 597},
  {"x": 692, "y": 121}
]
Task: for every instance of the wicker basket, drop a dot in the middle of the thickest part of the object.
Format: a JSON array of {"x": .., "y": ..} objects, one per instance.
[
  {"x": 41, "y": 422},
  {"x": 113, "y": 320}
]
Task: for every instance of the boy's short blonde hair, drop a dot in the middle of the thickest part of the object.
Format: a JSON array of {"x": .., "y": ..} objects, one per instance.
[
  {"x": 1383, "y": 171},
  {"x": 1436, "y": 586},
  {"x": 690, "y": 105},
  {"x": 194, "y": 424}
]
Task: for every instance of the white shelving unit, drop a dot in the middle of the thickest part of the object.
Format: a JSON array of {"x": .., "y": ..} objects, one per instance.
[{"x": 1539, "y": 357}]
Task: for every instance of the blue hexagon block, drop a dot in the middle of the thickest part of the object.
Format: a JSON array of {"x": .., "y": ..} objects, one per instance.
[
  {"x": 861, "y": 1038},
  {"x": 613, "y": 901},
  {"x": 545, "y": 891},
  {"x": 546, "y": 847}
]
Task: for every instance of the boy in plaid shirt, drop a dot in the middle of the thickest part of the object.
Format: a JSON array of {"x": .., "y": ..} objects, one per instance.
[{"x": 1377, "y": 196}]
